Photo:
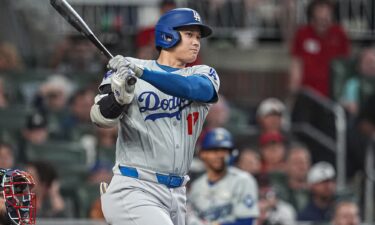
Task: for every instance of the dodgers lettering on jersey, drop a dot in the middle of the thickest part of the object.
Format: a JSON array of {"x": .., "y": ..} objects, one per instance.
[
  {"x": 153, "y": 103},
  {"x": 159, "y": 131},
  {"x": 233, "y": 197}
]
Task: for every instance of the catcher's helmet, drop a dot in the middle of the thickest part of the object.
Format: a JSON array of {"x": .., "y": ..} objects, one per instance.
[
  {"x": 20, "y": 201},
  {"x": 217, "y": 138},
  {"x": 166, "y": 35}
]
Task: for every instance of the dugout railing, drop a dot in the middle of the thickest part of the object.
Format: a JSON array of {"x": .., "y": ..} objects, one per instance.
[{"x": 336, "y": 142}]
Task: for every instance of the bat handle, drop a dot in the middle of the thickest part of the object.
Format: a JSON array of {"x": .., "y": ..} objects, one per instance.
[{"x": 131, "y": 80}]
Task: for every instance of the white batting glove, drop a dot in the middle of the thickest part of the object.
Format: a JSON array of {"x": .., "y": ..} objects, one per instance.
[
  {"x": 118, "y": 62},
  {"x": 124, "y": 93}
]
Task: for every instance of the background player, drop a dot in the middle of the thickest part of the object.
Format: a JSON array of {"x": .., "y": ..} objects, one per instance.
[
  {"x": 17, "y": 201},
  {"x": 223, "y": 195},
  {"x": 160, "y": 119}
]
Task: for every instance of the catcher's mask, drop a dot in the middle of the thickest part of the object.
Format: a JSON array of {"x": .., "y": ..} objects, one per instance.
[{"x": 16, "y": 188}]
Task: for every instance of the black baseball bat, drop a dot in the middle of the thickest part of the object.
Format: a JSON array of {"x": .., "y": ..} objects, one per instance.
[{"x": 70, "y": 15}]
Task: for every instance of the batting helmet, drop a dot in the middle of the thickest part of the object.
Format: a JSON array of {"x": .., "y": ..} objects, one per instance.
[
  {"x": 166, "y": 35},
  {"x": 20, "y": 201},
  {"x": 217, "y": 138}
]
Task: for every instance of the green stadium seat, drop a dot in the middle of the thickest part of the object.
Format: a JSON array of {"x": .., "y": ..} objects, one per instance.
[
  {"x": 69, "y": 159},
  {"x": 13, "y": 118}
]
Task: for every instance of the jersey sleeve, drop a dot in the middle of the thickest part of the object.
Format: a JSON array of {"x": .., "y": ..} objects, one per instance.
[
  {"x": 211, "y": 74},
  {"x": 246, "y": 200}
]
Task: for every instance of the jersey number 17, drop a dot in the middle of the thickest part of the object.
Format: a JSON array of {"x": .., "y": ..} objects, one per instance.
[{"x": 192, "y": 119}]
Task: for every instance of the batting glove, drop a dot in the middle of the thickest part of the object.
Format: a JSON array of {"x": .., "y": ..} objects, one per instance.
[
  {"x": 118, "y": 62},
  {"x": 123, "y": 92}
]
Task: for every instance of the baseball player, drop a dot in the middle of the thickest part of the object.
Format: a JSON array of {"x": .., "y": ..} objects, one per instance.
[
  {"x": 223, "y": 195},
  {"x": 159, "y": 120},
  {"x": 17, "y": 201}
]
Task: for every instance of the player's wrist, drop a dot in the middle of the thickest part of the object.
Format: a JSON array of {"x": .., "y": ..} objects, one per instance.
[{"x": 137, "y": 69}]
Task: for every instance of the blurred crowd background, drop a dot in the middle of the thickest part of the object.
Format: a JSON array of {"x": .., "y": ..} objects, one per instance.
[{"x": 297, "y": 92}]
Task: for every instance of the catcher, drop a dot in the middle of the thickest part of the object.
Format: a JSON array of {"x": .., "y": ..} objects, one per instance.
[{"x": 17, "y": 201}]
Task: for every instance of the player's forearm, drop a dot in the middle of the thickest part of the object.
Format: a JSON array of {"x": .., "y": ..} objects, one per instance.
[
  {"x": 106, "y": 111},
  {"x": 194, "y": 87}
]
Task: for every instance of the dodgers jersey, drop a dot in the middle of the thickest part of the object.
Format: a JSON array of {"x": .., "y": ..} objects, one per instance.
[
  {"x": 158, "y": 131},
  {"x": 235, "y": 196}
]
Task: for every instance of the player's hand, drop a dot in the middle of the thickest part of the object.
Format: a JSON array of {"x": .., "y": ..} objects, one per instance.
[
  {"x": 119, "y": 62},
  {"x": 123, "y": 92}
]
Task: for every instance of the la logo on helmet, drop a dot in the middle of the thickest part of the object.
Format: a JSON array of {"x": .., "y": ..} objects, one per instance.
[{"x": 196, "y": 16}]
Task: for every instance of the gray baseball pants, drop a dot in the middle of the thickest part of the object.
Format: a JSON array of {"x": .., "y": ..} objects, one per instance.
[{"x": 131, "y": 201}]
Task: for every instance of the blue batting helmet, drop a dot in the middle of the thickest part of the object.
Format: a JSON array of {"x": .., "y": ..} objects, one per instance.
[
  {"x": 166, "y": 35},
  {"x": 217, "y": 138}
]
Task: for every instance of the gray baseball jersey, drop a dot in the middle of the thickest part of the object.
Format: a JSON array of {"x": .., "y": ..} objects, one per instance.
[
  {"x": 159, "y": 131},
  {"x": 233, "y": 197}
]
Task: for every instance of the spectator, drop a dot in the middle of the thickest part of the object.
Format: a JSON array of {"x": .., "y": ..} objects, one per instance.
[
  {"x": 209, "y": 205},
  {"x": 271, "y": 116},
  {"x": 79, "y": 113},
  {"x": 54, "y": 94},
  {"x": 294, "y": 188},
  {"x": 35, "y": 132},
  {"x": 249, "y": 161},
  {"x": 101, "y": 172},
  {"x": 6, "y": 156},
  {"x": 273, "y": 211},
  {"x": 47, "y": 189},
  {"x": 346, "y": 213},
  {"x": 96, "y": 212},
  {"x": 273, "y": 152},
  {"x": 9, "y": 58},
  {"x": 358, "y": 86},
  {"x": 52, "y": 101},
  {"x": 314, "y": 46},
  {"x": 3, "y": 94},
  {"x": 321, "y": 179}
]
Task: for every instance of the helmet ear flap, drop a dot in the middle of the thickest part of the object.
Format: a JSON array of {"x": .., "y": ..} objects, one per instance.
[{"x": 166, "y": 37}]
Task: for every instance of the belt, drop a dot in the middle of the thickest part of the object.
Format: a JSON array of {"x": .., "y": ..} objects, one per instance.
[{"x": 171, "y": 181}]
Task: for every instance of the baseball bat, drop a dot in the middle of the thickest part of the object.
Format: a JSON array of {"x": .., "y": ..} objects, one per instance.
[{"x": 70, "y": 15}]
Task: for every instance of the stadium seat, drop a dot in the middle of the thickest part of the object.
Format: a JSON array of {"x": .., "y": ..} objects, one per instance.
[
  {"x": 13, "y": 118},
  {"x": 69, "y": 159}
]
